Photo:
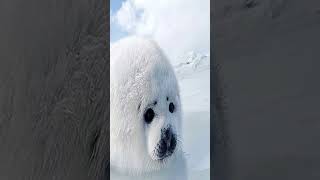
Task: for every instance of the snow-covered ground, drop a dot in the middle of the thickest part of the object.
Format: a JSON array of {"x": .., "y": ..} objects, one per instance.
[{"x": 193, "y": 74}]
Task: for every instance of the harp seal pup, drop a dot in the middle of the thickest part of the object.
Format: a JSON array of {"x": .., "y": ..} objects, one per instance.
[{"x": 145, "y": 113}]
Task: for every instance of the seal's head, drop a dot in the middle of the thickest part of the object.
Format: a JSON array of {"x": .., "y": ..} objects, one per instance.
[{"x": 145, "y": 108}]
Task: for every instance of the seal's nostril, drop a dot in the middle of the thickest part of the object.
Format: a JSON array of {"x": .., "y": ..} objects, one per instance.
[
  {"x": 173, "y": 144},
  {"x": 162, "y": 147},
  {"x": 168, "y": 133}
]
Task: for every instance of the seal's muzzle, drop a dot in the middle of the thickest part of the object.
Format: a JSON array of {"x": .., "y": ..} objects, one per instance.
[{"x": 167, "y": 144}]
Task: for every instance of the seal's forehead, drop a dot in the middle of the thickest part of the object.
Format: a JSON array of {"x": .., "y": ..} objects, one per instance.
[
  {"x": 140, "y": 68},
  {"x": 133, "y": 58},
  {"x": 132, "y": 48}
]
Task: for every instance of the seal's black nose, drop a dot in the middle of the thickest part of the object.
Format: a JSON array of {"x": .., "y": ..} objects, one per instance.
[{"x": 167, "y": 143}]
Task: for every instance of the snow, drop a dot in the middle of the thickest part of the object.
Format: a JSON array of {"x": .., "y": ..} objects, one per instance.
[{"x": 193, "y": 73}]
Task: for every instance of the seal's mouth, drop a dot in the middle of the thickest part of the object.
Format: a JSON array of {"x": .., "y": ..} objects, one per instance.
[{"x": 166, "y": 146}]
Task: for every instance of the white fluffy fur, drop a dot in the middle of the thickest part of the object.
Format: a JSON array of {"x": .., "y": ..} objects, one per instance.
[{"x": 140, "y": 75}]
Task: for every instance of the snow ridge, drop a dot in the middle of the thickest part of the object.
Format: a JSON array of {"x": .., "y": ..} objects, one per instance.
[{"x": 191, "y": 63}]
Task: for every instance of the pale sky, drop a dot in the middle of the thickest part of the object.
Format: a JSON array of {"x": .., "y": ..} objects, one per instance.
[{"x": 179, "y": 26}]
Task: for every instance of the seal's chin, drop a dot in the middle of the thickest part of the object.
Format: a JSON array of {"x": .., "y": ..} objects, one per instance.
[{"x": 162, "y": 158}]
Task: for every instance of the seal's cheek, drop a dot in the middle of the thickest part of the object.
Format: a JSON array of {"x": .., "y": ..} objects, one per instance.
[{"x": 153, "y": 137}]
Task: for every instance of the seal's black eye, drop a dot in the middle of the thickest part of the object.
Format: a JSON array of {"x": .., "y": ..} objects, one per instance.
[
  {"x": 149, "y": 115},
  {"x": 171, "y": 107}
]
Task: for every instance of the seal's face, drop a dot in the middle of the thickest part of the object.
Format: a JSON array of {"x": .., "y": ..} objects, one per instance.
[
  {"x": 145, "y": 108},
  {"x": 160, "y": 112},
  {"x": 160, "y": 119}
]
